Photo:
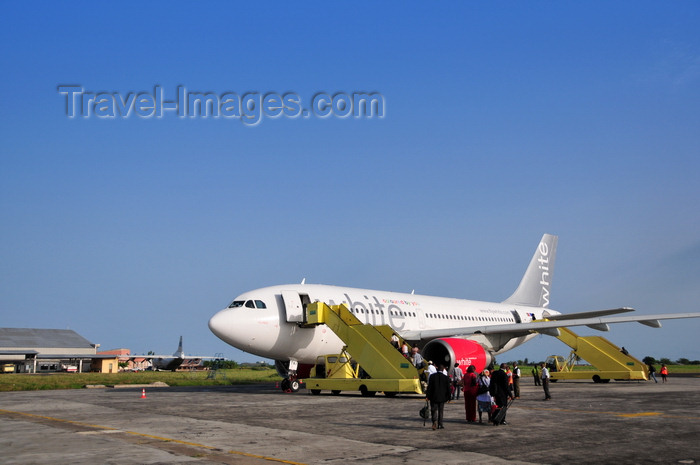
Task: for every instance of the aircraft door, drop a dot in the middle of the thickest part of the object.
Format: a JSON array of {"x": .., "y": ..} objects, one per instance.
[
  {"x": 421, "y": 318},
  {"x": 293, "y": 306},
  {"x": 516, "y": 316}
]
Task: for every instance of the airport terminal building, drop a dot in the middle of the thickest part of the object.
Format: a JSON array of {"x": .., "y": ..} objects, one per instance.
[{"x": 28, "y": 350}]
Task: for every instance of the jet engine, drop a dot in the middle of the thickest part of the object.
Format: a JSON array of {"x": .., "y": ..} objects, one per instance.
[{"x": 451, "y": 350}]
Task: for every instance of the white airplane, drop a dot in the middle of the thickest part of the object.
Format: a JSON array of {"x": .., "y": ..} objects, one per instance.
[
  {"x": 268, "y": 321},
  {"x": 170, "y": 362}
]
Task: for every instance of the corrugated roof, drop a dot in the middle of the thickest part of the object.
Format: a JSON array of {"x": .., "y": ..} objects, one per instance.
[
  {"x": 28, "y": 337},
  {"x": 18, "y": 352}
]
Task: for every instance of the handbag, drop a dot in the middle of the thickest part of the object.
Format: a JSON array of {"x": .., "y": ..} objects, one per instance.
[{"x": 425, "y": 412}]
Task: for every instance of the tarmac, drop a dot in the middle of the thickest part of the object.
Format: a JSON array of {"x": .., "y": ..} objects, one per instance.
[{"x": 626, "y": 422}]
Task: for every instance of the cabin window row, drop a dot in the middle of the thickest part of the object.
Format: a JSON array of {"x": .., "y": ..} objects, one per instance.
[
  {"x": 381, "y": 312},
  {"x": 435, "y": 315},
  {"x": 470, "y": 318}
]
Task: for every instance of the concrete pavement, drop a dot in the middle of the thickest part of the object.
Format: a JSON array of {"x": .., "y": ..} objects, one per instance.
[{"x": 619, "y": 422}]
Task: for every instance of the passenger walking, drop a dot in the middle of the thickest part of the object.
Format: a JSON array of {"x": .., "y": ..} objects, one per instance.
[
  {"x": 456, "y": 381},
  {"x": 404, "y": 349},
  {"x": 417, "y": 358},
  {"x": 483, "y": 397},
  {"x": 395, "y": 341},
  {"x": 470, "y": 383},
  {"x": 652, "y": 372},
  {"x": 545, "y": 381},
  {"x": 431, "y": 369},
  {"x": 516, "y": 380},
  {"x": 499, "y": 390},
  {"x": 438, "y": 393},
  {"x": 664, "y": 373}
]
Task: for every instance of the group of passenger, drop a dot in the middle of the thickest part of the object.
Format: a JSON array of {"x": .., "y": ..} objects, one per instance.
[
  {"x": 425, "y": 367},
  {"x": 411, "y": 353},
  {"x": 400, "y": 346},
  {"x": 487, "y": 392},
  {"x": 663, "y": 372}
]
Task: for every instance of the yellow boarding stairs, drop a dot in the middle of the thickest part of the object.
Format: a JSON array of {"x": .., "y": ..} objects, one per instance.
[
  {"x": 606, "y": 357},
  {"x": 369, "y": 362}
]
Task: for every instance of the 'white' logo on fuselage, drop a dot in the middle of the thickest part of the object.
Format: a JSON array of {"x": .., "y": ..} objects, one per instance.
[{"x": 544, "y": 267}]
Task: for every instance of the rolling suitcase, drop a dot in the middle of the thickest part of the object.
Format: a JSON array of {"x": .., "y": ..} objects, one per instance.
[{"x": 500, "y": 413}]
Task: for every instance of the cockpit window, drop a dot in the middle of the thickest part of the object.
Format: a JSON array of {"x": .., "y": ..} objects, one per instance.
[{"x": 248, "y": 304}]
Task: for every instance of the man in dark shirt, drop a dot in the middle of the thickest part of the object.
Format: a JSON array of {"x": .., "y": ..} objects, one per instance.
[
  {"x": 438, "y": 393},
  {"x": 499, "y": 390}
]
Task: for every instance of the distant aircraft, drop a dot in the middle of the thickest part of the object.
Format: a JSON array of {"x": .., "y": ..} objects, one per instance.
[
  {"x": 268, "y": 321},
  {"x": 170, "y": 362}
]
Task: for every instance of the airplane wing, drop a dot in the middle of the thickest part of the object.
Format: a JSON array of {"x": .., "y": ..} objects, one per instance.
[
  {"x": 593, "y": 314},
  {"x": 546, "y": 326}
]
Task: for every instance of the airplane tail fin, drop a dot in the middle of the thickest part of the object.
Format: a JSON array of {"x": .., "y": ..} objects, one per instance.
[
  {"x": 179, "y": 352},
  {"x": 534, "y": 289}
]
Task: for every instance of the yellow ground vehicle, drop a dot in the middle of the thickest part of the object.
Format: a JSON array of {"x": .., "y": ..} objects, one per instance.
[
  {"x": 339, "y": 372},
  {"x": 368, "y": 363},
  {"x": 8, "y": 368}
]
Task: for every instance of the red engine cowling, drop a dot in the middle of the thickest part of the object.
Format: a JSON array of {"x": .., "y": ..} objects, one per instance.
[{"x": 451, "y": 350}]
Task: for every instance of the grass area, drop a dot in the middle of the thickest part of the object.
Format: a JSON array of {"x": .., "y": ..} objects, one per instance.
[
  {"x": 44, "y": 381},
  {"x": 679, "y": 369},
  {"x": 35, "y": 382}
]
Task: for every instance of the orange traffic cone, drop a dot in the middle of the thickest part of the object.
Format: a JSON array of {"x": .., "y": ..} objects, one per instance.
[{"x": 143, "y": 393}]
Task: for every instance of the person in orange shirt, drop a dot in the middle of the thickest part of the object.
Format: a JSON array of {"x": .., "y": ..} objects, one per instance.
[
  {"x": 664, "y": 373},
  {"x": 516, "y": 380},
  {"x": 509, "y": 373}
]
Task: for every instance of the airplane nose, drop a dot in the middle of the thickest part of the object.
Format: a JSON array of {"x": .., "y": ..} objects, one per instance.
[
  {"x": 251, "y": 330},
  {"x": 240, "y": 328},
  {"x": 219, "y": 322}
]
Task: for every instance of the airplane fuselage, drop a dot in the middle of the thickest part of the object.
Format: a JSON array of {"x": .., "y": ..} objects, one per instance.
[{"x": 265, "y": 321}]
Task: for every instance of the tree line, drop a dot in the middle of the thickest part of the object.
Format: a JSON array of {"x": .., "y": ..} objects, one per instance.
[{"x": 649, "y": 360}]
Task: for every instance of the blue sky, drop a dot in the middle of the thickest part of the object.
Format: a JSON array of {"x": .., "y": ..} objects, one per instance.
[{"x": 502, "y": 121}]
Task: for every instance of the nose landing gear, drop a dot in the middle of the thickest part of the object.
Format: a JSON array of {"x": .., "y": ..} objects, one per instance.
[
  {"x": 290, "y": 384},
  {"x": 288, "y": 371}
]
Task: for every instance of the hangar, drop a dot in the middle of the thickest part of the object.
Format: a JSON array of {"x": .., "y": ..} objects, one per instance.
[{"x": 29, "y": 350}]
